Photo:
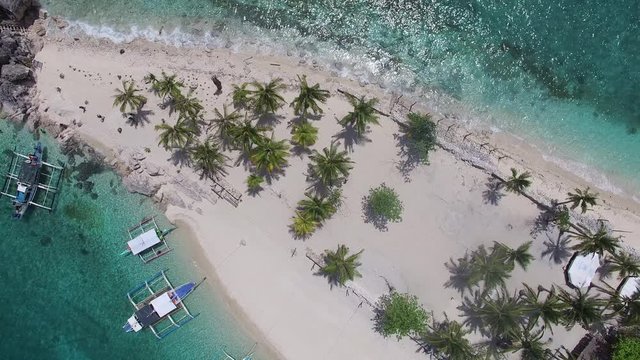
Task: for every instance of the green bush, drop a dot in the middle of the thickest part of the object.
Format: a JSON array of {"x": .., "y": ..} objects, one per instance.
[
  {"x": 400, "y": 315},
  {"x": 627, "y": 349},
  {"x": 420, "y": 136},
  {"x": 382, "y": 205}
]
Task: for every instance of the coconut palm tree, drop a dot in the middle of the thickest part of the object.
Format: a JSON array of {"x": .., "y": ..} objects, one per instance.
[
  {"x": 580, "y": 308},
  {"x": 598, "y": 242},
  {"x": 491, "y": 268},
  {"x": 241, "y": 96},
  {"x": 624, "y": 264},
  {"x": 168, "y": 85},
  {"x": 517, "y": 183},
  {"x": 341, "y": 267},
  {"x": 269, "y": 155},
  {"x": 127, "y": 97},
  {"x": 528, "y": 341},
  {"x": 254, "y": 183},
  {"x": 308, "y": 98},
  {"x": 176, "y": 136},
  {"x": 319, "y": 208},
  {"x": 150, "y": 78},
  {"x": 549, "y": 309},
  {"x": 266, "y": 98},
  {"x": 448, "y": 338},
  {"x": 520, "y": 255},
  {"x": 209, "y": 160},
  {"x": 224, "y": 123},
  {"x": 581, "y": 198},
  {"x": 188, "y": 106},
  {"x": 245, "y": 135},
  {"x": 304, "y": 134},
  {"x": 303, "y": 225},
  {"x": 501, "y": 314},
  {"x": 331, "y": 167},
  {"x": 362, "y": 115}
]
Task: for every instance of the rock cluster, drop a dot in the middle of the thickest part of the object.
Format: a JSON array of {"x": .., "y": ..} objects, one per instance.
[
  {"x": 16, "y": 75},
  {"x": 16, "y": 9}
]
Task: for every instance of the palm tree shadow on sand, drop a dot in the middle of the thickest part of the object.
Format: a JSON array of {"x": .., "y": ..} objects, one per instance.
[
  {"x": 351, "y": 137},
  {"x": 139, "y": 118},
  {"x": 269, "y": 120},
  {"x": 409, "y": 159},
  {"x": 462, "y": 274},
  {"x": 557, "y": 250},
  {"x": 181, "y": 157},
  {"x": 493, "y": 194}
]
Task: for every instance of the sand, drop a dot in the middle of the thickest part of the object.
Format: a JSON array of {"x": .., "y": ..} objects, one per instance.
[{"x": 262, "y": 268}]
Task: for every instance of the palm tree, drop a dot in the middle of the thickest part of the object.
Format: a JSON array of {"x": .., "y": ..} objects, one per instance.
[
  {"x": 225, "y": 122},
  {"x": 245, "y": 135},
  {"x": 188, "y": 105},
  {"x": 520, "y": 255},
  {"x": 448, "y": 338},
  {"x": 339, "y": 267},
  {"x": 304, "y": 134},
  {"x": 303, "y": 225},
  {"x": 319, "y": 208},
  {"x": 176, "y": 136},
  {"x": 308, "y": 98},
  {"x": 150, "y": 78},
  {"x": 209, "y": 160},
  {"x": 549, "y": 309},
  {"x": 241, "y": 96},
  {"x": 331, "y": 167},
  {"x": 580, "y": 308},
  {"x": 362, "y": 115},
  {"x": 517, "y": 183},
  {"x": 266, "y": 98},
  {"x": 624, "y": 264},
  {"x": 254, "y": 183},
  {"x": 528, "y": 341},
  {"x": 269, "y": 155},
  {"x": 491, "y": 268},
  {"x": 501, "y": 315},
  {"x": 597, "y": 242},
  {"x": 581, "y": 198},
  {"x": 168, "y": 85},
  {"x": 127, "y": 97}
]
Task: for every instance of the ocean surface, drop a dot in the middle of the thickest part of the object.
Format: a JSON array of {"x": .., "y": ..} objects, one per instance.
[
  {"x": 562, "y": 74},
  {"x": 64, "y": 284}
]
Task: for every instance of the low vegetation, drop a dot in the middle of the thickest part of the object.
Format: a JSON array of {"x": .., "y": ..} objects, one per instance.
[
  {"x": 381, "y": 206},
  {"x": 400, "y": 315}
]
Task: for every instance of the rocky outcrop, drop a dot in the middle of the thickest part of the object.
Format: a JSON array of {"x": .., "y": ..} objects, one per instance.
[
  {"x": 16, "y": 8},
  {"x": 16, "y": 75}
]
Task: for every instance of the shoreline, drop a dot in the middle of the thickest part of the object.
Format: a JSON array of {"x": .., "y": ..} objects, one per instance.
[{"x": 271, "y": 249}]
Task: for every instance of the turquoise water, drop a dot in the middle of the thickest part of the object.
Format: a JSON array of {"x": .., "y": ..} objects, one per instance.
[
  {"x": 561, "y": 73},
  {"x": 64, "y": 283}
]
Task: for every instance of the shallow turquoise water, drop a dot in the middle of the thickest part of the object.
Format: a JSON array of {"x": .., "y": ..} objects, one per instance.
[
  {"x": 563, "y": 74},
  {"x": 64, "y": 283}
]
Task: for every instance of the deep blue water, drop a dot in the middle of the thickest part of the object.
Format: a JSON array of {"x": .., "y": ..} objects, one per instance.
[
  {"x": 563, "y": 74},
  {"x": 64, "y": 284}
]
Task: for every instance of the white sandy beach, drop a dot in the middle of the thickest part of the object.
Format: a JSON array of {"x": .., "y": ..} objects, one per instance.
[{"x": 265, "y": 272}]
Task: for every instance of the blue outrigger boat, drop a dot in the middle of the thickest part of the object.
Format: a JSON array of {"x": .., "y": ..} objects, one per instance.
[
  {"x": 162, "y": 310},
  {"x": 26, "y": 171}
]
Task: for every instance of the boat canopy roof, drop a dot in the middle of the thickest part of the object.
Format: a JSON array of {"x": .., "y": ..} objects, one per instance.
[
  {"x": 163, "y": 304},
  {"x": 629, "y": 287},
  {"x": 582, "y": 269},
  {"x": 143, "y": 242}
]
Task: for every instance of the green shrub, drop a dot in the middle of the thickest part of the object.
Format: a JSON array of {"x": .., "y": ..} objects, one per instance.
[
  {"x": 627, "y": 349},
  {"x": 382, "y": 205},
  {"x": 419, "y": 133},
  {"x": 400, "y": 315}
]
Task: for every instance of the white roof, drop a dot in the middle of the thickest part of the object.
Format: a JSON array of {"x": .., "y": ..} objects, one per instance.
[
  {"x": 22, "y": 187},
  {"x": 135, "y": 325},
  {"x": 630, "y": 286},
  {"x": 143, "y": 242},
  {"x": 163, "y": 304},
  {"x": 582, "y": 269}
]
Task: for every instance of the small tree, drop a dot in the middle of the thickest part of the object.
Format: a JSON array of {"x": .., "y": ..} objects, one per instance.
[
  {"x": 626, "y": 349},
  {"x": 304, "y": 134},
  {"x": 517, "y": 183},
  {"x": 582, "y": 199},
  {"x": 400, "y": 315},
  {"x": 128, "y": 97},
  {"x": 341, "y": 267},
  {"x": 303, "y": 225},
  {"x": 419, "y": 136},
  {"x": 254, "y": 183},
  {"x": 266, "y": 98},
  {"x": 362, "y": 115},
  {"x": 382, "y": 205},
  {"x": 308, "y": 98}
]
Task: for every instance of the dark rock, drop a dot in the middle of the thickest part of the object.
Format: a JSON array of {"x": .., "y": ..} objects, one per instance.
[
  {"x": 15, "y": 73},
  {"x": 9, "y": 43},
  {"x": 5, "y": 56},
  {"x": 16, "y": 8},
  {"x": 121, "y": 51}
]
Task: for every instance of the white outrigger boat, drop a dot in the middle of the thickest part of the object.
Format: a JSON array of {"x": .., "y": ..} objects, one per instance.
[
  {"x": 163, "y": 309},
  {"x": 26, "y": 171},
  {"x": 147, "y": 240}
]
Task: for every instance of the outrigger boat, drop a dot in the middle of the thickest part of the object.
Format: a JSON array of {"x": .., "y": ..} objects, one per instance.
[
  {"x": 163, "y": 310},
  {"x": 147, "y": 240},
  {"x": 26, "y": 175}
]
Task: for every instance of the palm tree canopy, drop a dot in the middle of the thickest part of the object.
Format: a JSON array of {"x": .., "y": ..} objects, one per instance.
[
  {"x": 209, "y": 160},
  {"x": 448, "y": 337},
  {"x": 528, "y": 341},
  {"x": 363, "y": 114},
  {"x": 501, "y": 314},
  {"x": 548, "y": 309},
  {"x": 224, "y": 122},
  {"x": 241, "y": 96},
  {"x": 308, "y": 98},
  {"x": 625, "y": 264},
  {"x": 188, "y": 105},
  {"x": 517, "y": 183},
  {"x": 303, "y": 225},
  {"x": 491, "y": 268},
  {"x": 319, "y": 208},
  {"x": 266, "y": 98},
  {"x": 331, "y": 166},
  {"x": 597, "y": 242},
  {"x": 304, "y": 134},
  {"x": 150, "y": 78},
  {"x": 168, "y": 85},
  {"x": 245, "y": 135},
  {"x": 341, "y": 267},
  {"x": 521, "y": 255},
  {"x": 127, "y": 97},
  {"x": 583, "y": 199},
  {"x": 269, "y": 155},
  {"x": 580, "y": 308},
  {"x": 176, "y": 136}
]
